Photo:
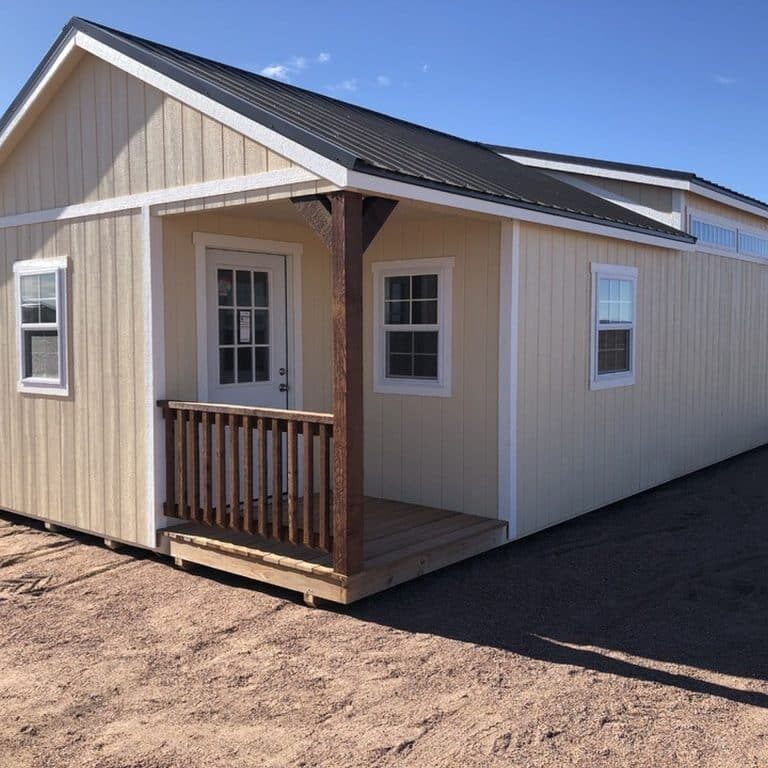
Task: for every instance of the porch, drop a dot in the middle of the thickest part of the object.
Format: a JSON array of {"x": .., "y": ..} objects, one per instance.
[{"x": 244, "y": 482}]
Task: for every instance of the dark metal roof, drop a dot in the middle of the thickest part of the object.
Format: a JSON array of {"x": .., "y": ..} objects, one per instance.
[
  {"x": 368, "y": 141},
  {"x": 665, "y": 173}
]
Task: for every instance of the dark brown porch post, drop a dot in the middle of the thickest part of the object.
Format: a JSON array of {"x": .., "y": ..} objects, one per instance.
[{"x": 347, "y": 274}]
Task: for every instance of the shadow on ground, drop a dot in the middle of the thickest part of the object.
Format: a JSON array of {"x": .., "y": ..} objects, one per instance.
[{"x": 677, "y": 575}]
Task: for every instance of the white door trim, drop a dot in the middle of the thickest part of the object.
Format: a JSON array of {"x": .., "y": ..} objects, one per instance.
[{"x": 293, "y": 253}]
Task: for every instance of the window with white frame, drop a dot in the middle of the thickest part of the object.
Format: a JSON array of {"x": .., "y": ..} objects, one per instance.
[
  {"x": 412, "y": 335},
  {"x": 41, "y": 320},
  {"x": 613, "y": 329},
  {"x": 723, "y": 235}
]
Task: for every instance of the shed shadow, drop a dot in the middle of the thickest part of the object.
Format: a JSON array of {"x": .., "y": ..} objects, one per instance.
[{"x": 677, "y": 575}]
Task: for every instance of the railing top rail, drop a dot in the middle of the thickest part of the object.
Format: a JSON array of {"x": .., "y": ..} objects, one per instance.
[{"x": 244, "y": 410}]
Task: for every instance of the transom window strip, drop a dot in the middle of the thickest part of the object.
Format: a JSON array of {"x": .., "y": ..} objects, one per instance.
[
  {"x": 243, "y": 315},
  {"x": 730, "y": 238}
]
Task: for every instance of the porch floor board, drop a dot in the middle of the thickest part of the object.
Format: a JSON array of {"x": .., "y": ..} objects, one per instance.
[{"x": 402, "y": 542}]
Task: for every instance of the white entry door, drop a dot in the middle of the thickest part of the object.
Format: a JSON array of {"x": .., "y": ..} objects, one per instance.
[{"x": 247, "y": 339}]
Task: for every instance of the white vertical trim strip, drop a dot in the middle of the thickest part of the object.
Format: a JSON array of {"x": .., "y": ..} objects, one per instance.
[
  {"x": 509, "y": 290},
  {"x": 154, "y": 370}
]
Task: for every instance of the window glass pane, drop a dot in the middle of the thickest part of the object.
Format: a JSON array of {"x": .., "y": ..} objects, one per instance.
[
  {"x": 398, "y": 288},
  {"x": 400, "y": 365},
  {"x": 30, "y": 313},
  {"x": 425, "y": 366},
  {"x": 226, "y": 366},
  {"x": 613, "y": 351},
  {"x": 244, "y": 326},
  {"x": 261, "y": 363},
  {"x": 425, "y": 343},
  {"x": 30, "y": 289},
  {"x": 753, "y": 245},
  {"x": 48, "y": 310},
  {"x": 261, "y": 326},
  {"x": 398, "y": 313},
  {"x": 615, "y": 301},
  {"x": 424, "y": 286},
  {"x": 400, "y": 341},
  {"x": 226, "y": 326},
  {"x": 723, "y": 237},
  {"x": 260, "y": 289},
  {"x": 41, "y": 354},
  {"x": 424, "y": 312},
  {"x": 245, "y": 364},
  {"x": 225, "y": 287},
  {"x": 243, "y": 288},
  {"x": 48, "y": 285}
]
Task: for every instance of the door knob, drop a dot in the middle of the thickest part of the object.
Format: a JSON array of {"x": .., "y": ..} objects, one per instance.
[
  {"x": 283, "y": 371},
  {"x": 283, "y": 387}
]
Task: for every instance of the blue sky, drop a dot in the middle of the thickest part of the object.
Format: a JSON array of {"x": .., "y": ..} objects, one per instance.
[{"x": 682, "y": 85}]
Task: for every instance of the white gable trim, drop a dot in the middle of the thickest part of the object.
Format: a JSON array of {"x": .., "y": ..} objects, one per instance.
[
  {"x": 56, "y": 65},
  {"x": 638, "y": 178}
]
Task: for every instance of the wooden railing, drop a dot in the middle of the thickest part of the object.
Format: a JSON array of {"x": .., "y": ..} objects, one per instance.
[{"x": 253, "y": 470}]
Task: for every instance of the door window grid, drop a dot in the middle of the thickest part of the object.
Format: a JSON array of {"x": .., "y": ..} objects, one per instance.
[{"x": 244, "y": 330}]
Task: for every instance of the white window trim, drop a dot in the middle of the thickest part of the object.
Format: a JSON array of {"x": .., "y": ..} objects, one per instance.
[
  {"x": 719, "y": 221},
  {"x": 40, "y": 386},
  {"x": 443, "y": 268},
  {"x": 622, "y": 379}
]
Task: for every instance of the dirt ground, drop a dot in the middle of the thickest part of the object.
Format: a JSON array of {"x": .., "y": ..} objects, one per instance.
[{"x": 634, "y": 636}]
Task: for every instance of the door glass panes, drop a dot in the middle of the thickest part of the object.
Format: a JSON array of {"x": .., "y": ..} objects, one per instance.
[{"x": 243, "y": 317}]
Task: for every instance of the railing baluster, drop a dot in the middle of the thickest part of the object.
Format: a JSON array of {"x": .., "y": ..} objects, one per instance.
[
  {"x": 293, "y": 484},
  {"x": 261, "y": 448},
  {"x": 247, "y": 474},
  {"x": 277, "y": 480},
  {"x": 324, "y": 511},
  {"x": 205, "y": 461},
  {"x": 194, "y": 466},
  {"x": 221, "y": 454},
  {"x": 308, "y": 430},
  {"x": 170, "y": 462},
  {"x": 212, "y": 478},
  {"x": 234, "y": 472},
  {"x": 181, "y": 465}
]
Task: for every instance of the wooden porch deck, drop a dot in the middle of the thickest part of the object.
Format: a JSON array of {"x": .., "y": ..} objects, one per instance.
[{"x": 402, "y": 542}]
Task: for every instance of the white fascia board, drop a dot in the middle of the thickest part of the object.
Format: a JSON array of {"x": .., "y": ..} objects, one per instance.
[
  {"x": 605, "y": 173},
  {"x": 640, "y": 178},
  {"x": 236, "y": 184},
  {"x": 67, "y": 48},
  {"x": 398, "y": 189},
  {"x": 295, "y": 152}
]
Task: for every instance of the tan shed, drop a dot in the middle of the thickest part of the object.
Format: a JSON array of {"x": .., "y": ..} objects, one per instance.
[{"x": 265, "y": 331}]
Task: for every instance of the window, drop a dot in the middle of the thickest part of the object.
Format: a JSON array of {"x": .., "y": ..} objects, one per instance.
[
  {"x": 613, "y": 332},
  {"x": 412, "y": 338},
  {"x": 41, "y": 319},
  {"x": 722, "y": 235},
  {"x": 714, "y": 234}
]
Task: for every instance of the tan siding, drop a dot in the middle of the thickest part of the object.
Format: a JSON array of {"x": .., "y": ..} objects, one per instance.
[
  {"x": 704, "y": 205},
  {"x": 435, "y": 451},
  {"x": 81, "y": 460},
  {"x": 107, "y": 134},
  {"x": 699, "y": 396}
]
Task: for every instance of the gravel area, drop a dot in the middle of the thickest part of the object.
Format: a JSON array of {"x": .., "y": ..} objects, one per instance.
[{"x": 634, "y": 636}]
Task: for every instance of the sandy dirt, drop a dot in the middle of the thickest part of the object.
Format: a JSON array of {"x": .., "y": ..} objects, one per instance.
[{"x": 635, "y": 636}]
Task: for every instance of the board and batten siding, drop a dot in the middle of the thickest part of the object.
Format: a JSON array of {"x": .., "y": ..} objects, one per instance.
[
  {"x": 81, "y": 460},
  {"x": 701, "y": 368},
  {"x": 106, "y": 134},
  {"x": 434, "y": 451}
]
